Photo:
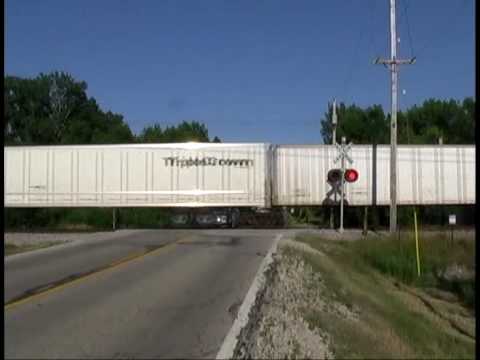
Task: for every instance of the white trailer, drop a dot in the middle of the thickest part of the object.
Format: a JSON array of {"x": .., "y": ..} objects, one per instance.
[
  {"x": 426, "y": 175},
  {"x": 230, "y": 176},
  {"x": 137, "y": 175}
]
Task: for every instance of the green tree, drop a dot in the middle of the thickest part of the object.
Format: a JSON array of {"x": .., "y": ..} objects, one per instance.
[
  {"x": 55, "y": 109},
  {"x": 187, "y": 131},
  {"x": 183, "y": 132},
  {"x": 454, "y": 121},
  {"x": 357, "y": 125},
  {"x": 151, "y": 134}
]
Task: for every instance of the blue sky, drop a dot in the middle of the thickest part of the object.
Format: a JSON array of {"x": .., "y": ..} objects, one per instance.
[{"x": 250, "y": 70}]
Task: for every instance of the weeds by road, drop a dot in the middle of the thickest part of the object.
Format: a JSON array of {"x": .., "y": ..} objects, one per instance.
[
  {"x": 402, "y": 315},
  {"x": 357, "y": 306},
  {"x": 446, "y": 264}
]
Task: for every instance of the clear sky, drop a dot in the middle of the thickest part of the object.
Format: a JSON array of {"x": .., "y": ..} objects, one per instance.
[{"x": 250, "y": 70}]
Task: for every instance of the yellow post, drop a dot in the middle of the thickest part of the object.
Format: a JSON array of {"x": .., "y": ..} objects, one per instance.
[{"x": 416, "y": 240}]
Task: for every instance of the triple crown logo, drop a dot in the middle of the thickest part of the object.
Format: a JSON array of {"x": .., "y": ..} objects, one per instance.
[{"x": 206, "y": 161}]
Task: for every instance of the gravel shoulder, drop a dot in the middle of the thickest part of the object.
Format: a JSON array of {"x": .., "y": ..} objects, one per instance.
[{"x": 278, "y": 329}]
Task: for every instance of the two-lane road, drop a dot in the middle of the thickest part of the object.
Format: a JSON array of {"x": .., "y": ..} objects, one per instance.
[{"x": 142, "y": 294}]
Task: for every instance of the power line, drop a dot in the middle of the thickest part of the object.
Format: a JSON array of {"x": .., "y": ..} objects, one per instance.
[
  {"x": 452, "y": 23},
  {"x": 373, "y": 42},
  {"x": 405, "y": 12},
  {"x": 354, "y": 60}
]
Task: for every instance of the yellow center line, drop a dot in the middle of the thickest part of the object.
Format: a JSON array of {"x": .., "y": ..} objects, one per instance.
[{"x": 111, "y": 266}]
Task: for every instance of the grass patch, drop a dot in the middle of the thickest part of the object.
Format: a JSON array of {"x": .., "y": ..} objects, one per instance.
[
  {"x": 396, "y": 257},
  {"x": 392, "y": 323},
  {"x": 11, "y": 249}
]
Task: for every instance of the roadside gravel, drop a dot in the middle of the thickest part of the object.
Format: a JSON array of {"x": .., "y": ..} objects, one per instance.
[{"x": 280, "y": 329}]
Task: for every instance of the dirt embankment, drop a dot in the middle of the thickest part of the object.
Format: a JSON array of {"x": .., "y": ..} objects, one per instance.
[{"x": 316, "y": 307}]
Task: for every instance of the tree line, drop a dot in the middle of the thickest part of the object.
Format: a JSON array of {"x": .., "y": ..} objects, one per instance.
[
  {"x": 451, "y": 120},
  {"x": 54, "y": 109}
]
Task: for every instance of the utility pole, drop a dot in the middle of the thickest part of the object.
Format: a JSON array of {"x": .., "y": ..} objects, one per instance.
[
  {"x": 392, "y": 64},
  {"x": 334, "y": 140},
  {"x": 440, "y": 142},
  {"x": 114, "y": 219},
  {"x": 343, "y": 187},
  {"x": 334, "y": 122}
]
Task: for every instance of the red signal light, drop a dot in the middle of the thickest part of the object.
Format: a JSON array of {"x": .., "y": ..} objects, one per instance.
[
  {"x": 351, "y": 175},
  {"x": 334, "y": 176}
]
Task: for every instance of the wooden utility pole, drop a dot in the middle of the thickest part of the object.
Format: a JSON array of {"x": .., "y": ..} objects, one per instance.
[
  {"x": 365, "y": 220},
  {"x": 114, "y": 219},
  {"x": 343, "y": 188},
  {"x": 334, "y": 122},
  {"x": 443, "y": 217},
  {"x": 392, "y": 64},
  {"x": 334, "y": 140}
]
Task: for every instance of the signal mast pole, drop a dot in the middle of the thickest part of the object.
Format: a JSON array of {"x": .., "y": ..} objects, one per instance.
[
  {"x": 334, "y": 122},
  {"x": 392, "y": 64}
]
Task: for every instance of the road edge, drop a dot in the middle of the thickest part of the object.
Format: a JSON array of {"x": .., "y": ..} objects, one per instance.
[
  {"x": 259, "y": 282},
  {"x": 70, "y": 243}
]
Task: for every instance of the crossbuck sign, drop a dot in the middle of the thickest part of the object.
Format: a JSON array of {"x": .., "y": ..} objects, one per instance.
[{"x": 343, "y": 151}]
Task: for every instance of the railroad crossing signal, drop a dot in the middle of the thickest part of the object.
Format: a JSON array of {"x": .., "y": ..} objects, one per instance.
[
  {"x": 351, "y": 175},
  {"x": 334, "y": 178},
  {"x": 337, "y": 177}
]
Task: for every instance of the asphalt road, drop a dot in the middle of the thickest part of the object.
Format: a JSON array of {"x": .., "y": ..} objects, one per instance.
[{"x": 143, "y": 294}]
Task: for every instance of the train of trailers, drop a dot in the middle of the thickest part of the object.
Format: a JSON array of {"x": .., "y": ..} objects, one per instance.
[{"x": 213, "y": 184}]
